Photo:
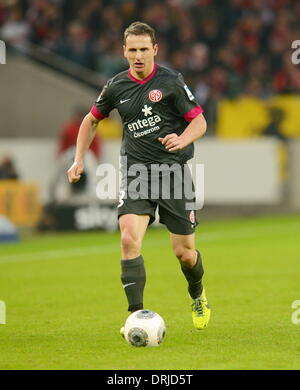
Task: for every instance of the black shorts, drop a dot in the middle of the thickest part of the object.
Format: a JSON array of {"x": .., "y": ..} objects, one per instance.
[{"x": 172, "y": 192}]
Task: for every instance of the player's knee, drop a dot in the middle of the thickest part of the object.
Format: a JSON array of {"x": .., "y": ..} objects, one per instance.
[
  {"x": 129, "y": 243},
  {"x": 186, "y": 256}
]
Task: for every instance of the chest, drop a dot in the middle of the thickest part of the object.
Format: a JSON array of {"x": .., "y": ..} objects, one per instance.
[{"x": 135, "y": 100}]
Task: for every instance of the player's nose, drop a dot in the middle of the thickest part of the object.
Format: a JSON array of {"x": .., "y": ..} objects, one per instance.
[{"x": 139, "y": 55}]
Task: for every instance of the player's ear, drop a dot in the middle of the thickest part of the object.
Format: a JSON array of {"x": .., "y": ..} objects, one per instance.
[{"x": 155, "y": 49}]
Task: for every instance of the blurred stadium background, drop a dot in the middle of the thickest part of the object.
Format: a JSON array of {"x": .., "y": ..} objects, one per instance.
[{"x": 236, "y": 56}]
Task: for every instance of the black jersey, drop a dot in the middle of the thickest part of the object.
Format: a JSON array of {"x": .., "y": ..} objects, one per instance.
[{"x": 150, "y": 108}]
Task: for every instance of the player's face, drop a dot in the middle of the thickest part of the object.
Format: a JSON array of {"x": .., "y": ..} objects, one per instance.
[{"x": 140, "y": 52}]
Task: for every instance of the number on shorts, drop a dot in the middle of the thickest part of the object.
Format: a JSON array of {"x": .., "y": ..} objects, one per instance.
[{"x": 121, "y": 201}]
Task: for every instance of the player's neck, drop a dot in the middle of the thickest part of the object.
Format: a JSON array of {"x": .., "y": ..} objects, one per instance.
[{"x": 143, "y": 75}]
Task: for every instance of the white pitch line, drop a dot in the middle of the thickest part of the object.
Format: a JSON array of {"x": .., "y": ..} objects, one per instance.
[
  {"x": 58, "y": 254},
  {"x": 110, "y": 248},
  {"x": 69, "y": 252}
]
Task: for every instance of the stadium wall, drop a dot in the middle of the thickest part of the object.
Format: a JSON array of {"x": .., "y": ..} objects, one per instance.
[
  {"x": 294, "y": 174},
  {"x": 36, "y": 101},
  {"x": 244, "y": 172}
]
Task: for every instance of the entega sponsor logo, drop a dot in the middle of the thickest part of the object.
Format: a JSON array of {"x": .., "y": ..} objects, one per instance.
[{"x": 142, "y": 123}]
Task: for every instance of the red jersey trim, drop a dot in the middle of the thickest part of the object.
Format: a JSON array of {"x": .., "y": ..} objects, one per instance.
[
  {"x": 189, "y": 116},
  {"x": 145, "y": 79},
  {"x": 97, "y": 114}
]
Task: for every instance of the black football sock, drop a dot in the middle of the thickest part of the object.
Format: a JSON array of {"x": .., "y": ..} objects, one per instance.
[
  {"x": 133, "y": 278},
  {"x": 194, "y": 277}
]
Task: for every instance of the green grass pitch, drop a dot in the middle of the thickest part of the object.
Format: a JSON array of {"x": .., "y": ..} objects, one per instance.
[{"x": 65, "y": 304}]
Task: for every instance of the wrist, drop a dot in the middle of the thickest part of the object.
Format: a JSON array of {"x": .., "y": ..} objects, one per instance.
[
  {"x": 78, "y": 160},
  {"x": 185, "y": 141}
]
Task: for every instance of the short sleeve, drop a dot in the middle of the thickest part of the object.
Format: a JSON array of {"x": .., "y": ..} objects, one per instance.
[
  {"x": 185, "y": 101},
  {"x": 103, "y": 104}
]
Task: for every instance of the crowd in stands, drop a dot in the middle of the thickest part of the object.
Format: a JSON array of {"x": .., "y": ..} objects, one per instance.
[{"x": 223, "y": 48}]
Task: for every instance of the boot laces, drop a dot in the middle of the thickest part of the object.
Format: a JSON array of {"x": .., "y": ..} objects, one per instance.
[{"x": 197, "y": 306}]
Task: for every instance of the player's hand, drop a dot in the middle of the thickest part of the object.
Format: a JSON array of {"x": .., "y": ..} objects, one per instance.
[
  {"x": 172, "y": 142},
  {"x": 75, "y": 171}
]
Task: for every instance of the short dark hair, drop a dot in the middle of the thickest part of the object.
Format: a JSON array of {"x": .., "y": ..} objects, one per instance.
[{"x": 139, "y": 28}]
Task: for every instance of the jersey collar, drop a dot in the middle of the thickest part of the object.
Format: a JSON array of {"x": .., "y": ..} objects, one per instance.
[{"x": 143, "y": 81}]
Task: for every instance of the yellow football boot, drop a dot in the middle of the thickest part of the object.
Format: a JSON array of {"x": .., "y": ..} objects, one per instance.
[{"x": 200, "y": 311}]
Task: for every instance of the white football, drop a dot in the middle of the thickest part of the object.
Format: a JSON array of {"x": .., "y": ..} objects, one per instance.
[{"x": 144, "y": 328}]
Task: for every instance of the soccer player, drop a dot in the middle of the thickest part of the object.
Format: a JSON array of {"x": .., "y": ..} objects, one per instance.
[{"x": 161, "y": 120}]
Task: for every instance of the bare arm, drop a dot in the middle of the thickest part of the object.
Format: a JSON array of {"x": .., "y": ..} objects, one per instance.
[
  {"x": 85, "y": 137},
  {"x": 193, "y": 131}
]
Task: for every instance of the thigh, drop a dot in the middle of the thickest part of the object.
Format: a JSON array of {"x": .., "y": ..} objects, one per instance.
[
  {"x": 128, "y": 206},
  {"x": 130, "y": 202},
  {"x": 134, "y": 225},
  {"x": 177, "y": 211},
  {"x": 176, "y": 217},
  {"x": 183, "y": 241}
]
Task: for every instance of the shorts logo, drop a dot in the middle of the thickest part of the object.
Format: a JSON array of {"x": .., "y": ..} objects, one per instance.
[
  {"x": 155, "y": 95},
  {"x": 192, "y": 217}
]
